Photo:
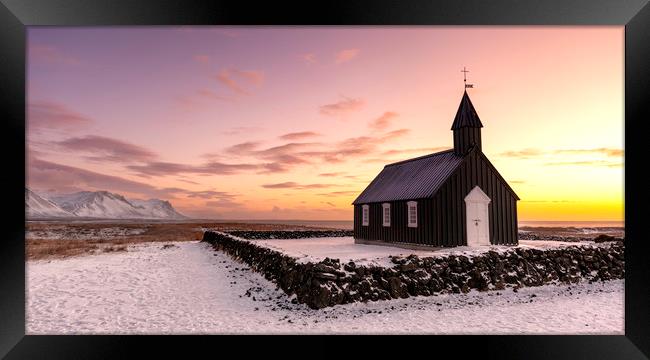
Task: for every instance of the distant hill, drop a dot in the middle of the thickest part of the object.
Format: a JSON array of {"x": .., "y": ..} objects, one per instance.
[
  {"x": 97, "y": 204},
  {"x": 37, "y": 206}
]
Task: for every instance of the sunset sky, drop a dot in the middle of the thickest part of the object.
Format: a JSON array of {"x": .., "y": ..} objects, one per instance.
[{"x": 294, "y": 122}]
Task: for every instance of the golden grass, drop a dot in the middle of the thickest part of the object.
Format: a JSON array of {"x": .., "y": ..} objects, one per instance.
[{"x": 67, "y": 245}]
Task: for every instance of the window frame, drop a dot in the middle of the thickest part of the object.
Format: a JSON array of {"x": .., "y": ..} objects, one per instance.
[
  {"x": 384, "y": 207},
  {"x": 409, "y": 205},
  {"x": 365, "y": 215}
]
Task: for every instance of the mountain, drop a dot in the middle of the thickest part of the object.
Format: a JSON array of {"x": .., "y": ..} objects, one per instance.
[
  {"x": 37, "y": 206},
  {"x": 106, "y": 205},
  {"x": 156, "y": 208},
  {"x": 98, "y": 204}
]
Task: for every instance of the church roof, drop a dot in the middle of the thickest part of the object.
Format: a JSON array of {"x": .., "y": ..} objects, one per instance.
[
  {"x": 466, "y": 115},
  {"x": 416, "y": 178}
]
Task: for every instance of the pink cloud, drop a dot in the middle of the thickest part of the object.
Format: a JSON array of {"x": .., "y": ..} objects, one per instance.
[
  {"x": 252, "y": 76},
  {"x": 294, "y": 185},
  {"x": 63, "y": 178},
  {"x": 243, "y": 148},
  {"x": 332, "y": 174},
  {"x": 355, "y": 147},
  {"x": 107, "y": 149},
  {"x": 522, "y": 154},
  {"x": 383, "y": 121},
  {"x": 586, "y": 163},
  {"x": 340, "y": 193},
  {"x": 242, "y": 130},
  {"x": 394, "y": 134},
  {"x": 299, "y": 135},
  {"x": 210, "y": 194},
  {"x": 605, "y": 151},
  {"x": 160, "y": 168},
  {"x": 284, "y": 157},
  {"x": 346, "y": 55},
  {"x": 342, "y": 107},
  {"x": 54, "y": 116},
  {"x": 225, "y": 78},
  {"x": 239, "y": 81}
]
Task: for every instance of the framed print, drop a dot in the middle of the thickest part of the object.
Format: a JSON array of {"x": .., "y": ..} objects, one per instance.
[{"x": 465, "y": 169}]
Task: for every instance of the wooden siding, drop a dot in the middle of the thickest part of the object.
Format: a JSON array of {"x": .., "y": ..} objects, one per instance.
[
  {"x": 465, "y": 137},
  {"x": 441, "y": 219}
]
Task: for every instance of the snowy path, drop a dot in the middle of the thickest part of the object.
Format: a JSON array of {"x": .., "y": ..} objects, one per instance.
[{"x": 192, "y": 289}]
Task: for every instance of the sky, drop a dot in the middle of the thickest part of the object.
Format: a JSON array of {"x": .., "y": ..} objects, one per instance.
[{"x": 294, "y": 122}]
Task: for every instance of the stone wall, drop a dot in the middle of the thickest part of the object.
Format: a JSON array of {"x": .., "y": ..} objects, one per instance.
[{"x": 328, "y": 282}]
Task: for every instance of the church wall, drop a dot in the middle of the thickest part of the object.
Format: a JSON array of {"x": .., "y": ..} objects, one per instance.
[
  {"x": 398, "y": 231},
  {"x": 502, "y": 210}
]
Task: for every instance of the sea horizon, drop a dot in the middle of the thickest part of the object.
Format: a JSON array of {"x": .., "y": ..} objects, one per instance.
[
  {"x": 337, "y": 224},
  {"x": 348, "y": 224}
]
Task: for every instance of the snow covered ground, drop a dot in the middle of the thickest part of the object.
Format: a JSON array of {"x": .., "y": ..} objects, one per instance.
[
  {"x": 190, "y": 288},
  {"x": 344, "y": 249}
]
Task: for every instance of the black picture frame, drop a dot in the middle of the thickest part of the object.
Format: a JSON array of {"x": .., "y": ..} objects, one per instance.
[{"x": 16, "y": 15}]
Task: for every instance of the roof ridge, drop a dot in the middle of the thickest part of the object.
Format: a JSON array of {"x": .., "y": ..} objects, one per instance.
[{"x": 419, "y": 157}]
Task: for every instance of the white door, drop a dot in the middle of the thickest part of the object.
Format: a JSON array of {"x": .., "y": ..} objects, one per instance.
[{"x": 478, "y": 226}]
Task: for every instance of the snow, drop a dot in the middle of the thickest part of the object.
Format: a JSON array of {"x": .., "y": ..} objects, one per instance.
[
  {"x": 38, "y": 206},
  {"x": 98, "y": 204},
  {"x": 156, "y": 209},
  {"x": 344, "y": 249},
  {"x": 190, "y": 288}
]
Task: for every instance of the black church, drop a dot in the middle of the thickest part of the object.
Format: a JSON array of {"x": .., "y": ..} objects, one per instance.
[{"x": 450, "y": 198}]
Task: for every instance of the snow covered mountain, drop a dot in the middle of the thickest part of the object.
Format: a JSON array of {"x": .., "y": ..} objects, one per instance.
[
  {"x": 107, "y": 205},
  {"x": 98, "y": 204},
  {"x": 157, "y": 209},
  {"x": 37, "y": 206}
]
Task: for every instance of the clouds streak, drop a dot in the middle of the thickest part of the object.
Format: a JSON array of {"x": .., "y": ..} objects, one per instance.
[
  {"x": 240, "y": 81},
  {"x": 294, "y": 185},
  {"x": 342, "y": 107},
  {"x": 346, "y": 55},
  {"x": 107, "y": 149},
  {"x": 54, "y": 116},
  {"x": 384, "y": 121}
]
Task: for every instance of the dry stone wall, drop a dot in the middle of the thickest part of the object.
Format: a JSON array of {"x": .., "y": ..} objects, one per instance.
[{"x": 328, "y": 282}]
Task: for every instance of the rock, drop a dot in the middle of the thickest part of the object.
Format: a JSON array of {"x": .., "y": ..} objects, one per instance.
[
  {"x": 334, "y": 263},
  {"x": 408, "y": 267},
  {"x": 420, "y": 273},
  {"x": 320, "y": 297},
  {"x": 604, "y": 238},
  {"x": 325, "y": 276},
  {"x": 320, "y": 267},
  {"x": 350, "y": 266},
  {"x": 397, "y": 288}
]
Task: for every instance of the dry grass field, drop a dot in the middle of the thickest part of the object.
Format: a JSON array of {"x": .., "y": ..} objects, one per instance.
[{"x": 60, "y": 239}]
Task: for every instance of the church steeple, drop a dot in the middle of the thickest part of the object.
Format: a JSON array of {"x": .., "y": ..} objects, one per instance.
[{"x": 466, "y": 127}]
